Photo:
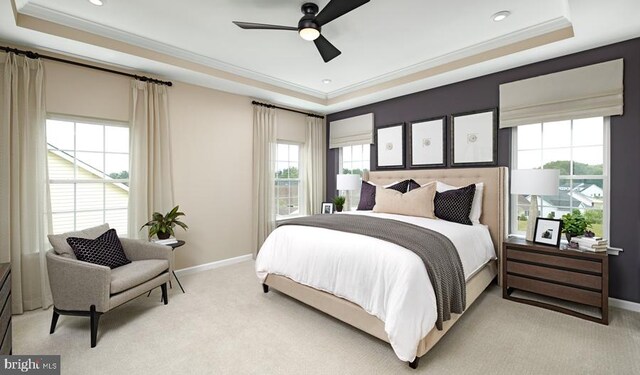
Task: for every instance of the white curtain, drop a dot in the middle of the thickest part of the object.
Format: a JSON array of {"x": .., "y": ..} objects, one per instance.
[
  {"x": 314, "y": 161},
  {"x": 24, "y": 187},
  {"x": 151, "y": 181},
  {"x": 264, "y": 155}
]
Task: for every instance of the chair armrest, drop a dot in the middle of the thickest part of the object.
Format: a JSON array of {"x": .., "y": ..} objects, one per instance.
[
  {"x": 142, "y": 250},
  {"x": 76, "y": 285}
]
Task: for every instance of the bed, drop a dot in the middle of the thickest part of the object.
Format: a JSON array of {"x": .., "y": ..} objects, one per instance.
[{"x": 364, "y": 314}]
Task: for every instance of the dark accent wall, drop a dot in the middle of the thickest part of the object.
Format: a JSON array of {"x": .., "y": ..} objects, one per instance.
[{"x": 482, "y": 92}]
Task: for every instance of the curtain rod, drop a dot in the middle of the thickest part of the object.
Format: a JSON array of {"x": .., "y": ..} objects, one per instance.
[
  {"x": 286, "y": 109},
  {"x": 34, "y": 55}
]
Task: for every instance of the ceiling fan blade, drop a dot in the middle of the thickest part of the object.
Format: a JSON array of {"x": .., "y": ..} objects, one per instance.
[
  {"x": 327, "y": 50},
  {"x": 263, "y": 26},
  {"x": 337, "y": 8}
]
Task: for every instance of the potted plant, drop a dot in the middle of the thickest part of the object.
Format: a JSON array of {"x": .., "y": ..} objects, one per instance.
[
  {"x": 574, "y": 224},
  {"x": 162, "y": 225},
  {"x": 339, "y": 202}
]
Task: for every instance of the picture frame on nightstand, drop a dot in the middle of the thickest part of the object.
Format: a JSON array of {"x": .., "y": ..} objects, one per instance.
[
  {"x": 327, "y": 208},
  {"x": 548, "y": 232}
]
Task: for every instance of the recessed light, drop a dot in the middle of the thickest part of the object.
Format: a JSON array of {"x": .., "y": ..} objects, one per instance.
[
  {"x": 326, "y": 81},
  {"x": 500, "y": 15},
  {"x": 98, "y": 3}
]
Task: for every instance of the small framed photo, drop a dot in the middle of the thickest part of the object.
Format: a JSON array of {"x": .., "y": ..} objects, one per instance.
[
  {"x": 389, "y": 140},
  {"x": 327, "y": 208},
  {"x": 548, "y": 231}
]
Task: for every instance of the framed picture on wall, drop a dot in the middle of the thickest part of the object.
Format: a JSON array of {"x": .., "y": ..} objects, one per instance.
[
  {"x": 474, "y": 138},
  {"x": 389, "y": 140},
  {"x": 427, "y": 143}
]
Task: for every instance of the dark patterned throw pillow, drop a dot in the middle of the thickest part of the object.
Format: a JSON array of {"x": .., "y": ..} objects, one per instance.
[
  {"x": 455, "y": 205},
  {"x": 368, "y": 192},
  {"x": 105, "y": 250}
]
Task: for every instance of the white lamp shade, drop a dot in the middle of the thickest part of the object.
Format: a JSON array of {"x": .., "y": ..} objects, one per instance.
[
  {"x": 347, "y": 182},
  {"x": 535, "y": 181}
]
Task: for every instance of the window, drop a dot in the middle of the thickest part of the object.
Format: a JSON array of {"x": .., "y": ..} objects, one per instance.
[
  {"x": 288, "y": 191},
  {"x": 580, "y": 150},
  {"x": 88, "y": 174},
  {"x": 355, "y": 160}
]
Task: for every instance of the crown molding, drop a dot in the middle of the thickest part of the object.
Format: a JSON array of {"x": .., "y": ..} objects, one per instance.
[
  {"x": 52, "y": 15},
  {"x": 551, "y": 26}
]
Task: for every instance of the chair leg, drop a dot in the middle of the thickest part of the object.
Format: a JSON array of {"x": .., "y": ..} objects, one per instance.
[
  {"x": 95, "y": 319},
  {"x": 165, "y": 298},
  {"x": 54, "y": 321}
]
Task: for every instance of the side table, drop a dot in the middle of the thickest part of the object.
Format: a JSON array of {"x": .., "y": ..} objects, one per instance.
[{"x": 173, "y": 247}]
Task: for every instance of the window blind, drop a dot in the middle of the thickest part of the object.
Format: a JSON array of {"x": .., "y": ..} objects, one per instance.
[
  {"x": 589, "y": 91},
  {"x": 351, "y": 131}
]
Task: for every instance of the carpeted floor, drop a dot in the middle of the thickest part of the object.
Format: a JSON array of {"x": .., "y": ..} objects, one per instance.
[{"x": 224, "y": 324}]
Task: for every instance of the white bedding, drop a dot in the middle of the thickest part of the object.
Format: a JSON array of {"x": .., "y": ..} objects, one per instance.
[{"x": 386, "y": 280}]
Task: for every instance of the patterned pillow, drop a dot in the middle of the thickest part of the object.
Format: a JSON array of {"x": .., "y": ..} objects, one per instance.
[
  {"x": 105, "y": 250},
  {"x": 368, "y": 193},
  {"x": 455, "y": 205}
]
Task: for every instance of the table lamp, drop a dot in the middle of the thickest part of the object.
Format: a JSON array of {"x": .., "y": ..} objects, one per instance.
[
  {"x": 347, "y": 182},
  {"x": 534, "y": 182}
]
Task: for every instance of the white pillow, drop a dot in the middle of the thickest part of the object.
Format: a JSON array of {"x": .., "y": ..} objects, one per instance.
[{"x": 476, "y": 205}]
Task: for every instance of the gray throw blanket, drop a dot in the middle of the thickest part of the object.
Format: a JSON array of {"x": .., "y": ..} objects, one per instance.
[{"x": 436, "y": 251}]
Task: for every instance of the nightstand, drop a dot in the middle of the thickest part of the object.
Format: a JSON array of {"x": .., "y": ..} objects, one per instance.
[{"x": 572, "y": 278}]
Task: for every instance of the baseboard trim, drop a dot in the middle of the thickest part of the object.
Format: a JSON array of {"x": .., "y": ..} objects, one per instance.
[
  {"x": 623, "y": 304},
  {"x": 213, "y": 265}
]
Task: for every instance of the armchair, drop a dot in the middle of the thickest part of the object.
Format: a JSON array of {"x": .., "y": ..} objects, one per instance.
[{"x": 85, "y": 289}]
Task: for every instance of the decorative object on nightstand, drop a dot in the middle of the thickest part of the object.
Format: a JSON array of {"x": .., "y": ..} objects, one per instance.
[
  {"x": 347, "y": 182},
  {"x": 566, "y": 281},
  {"x": 327, "y": 208},
  {"x": 162, "y": 225},
  {"x": 339, "y": 202},
  {"x": 574, "y": 224},
  {"x": 548, "y": 232},
  {"x": 534, "y": 182}
]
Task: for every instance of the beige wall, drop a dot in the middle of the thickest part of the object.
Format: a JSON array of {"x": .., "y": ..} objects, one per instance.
[{"x": 211, "y": 145}]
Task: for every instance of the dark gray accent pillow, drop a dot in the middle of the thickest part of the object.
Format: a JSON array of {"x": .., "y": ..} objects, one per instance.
[
  {"x": 413, "y": 185},
  {"x": 105, "y": 250},
  {"x": 455, "y": 205},
  {"x": 368, "y": 193},
  {"x": 367, "y": 196}
]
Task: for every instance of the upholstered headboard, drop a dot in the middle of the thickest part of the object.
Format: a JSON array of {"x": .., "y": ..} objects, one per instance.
[{"x": 494, "y": 198}]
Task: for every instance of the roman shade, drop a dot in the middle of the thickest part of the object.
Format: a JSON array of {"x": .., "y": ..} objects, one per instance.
[
  {"x": 589, "y": 91},
  {"x": 351, "y": 131}
]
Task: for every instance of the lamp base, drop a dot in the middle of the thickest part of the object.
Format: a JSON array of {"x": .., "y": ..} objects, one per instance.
[{"x": 533, "y": 215}]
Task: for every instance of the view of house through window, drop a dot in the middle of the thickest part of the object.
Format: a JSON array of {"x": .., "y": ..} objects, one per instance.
[
  {"x": 355, "y": 160},
  {"x": 579, "y": 150},
  {"x": 288, "y": 191},
  {"x": 88, "y": 174}
]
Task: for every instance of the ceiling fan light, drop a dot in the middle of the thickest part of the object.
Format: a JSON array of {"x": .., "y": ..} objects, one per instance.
[{"x": 309, "y": 33}]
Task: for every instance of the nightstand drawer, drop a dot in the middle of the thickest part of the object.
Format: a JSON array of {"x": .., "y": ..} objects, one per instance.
[
  {"x": 553, "y": 274},
  {"x": 554, "y": 290},
  {"x": 557, "y": 261}
]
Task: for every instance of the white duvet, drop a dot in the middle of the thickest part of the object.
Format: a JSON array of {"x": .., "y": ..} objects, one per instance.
[{"x": 386, "y": 280}]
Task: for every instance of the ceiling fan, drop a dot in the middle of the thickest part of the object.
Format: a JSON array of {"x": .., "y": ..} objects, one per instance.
[{"x": 310, "y": 25}]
